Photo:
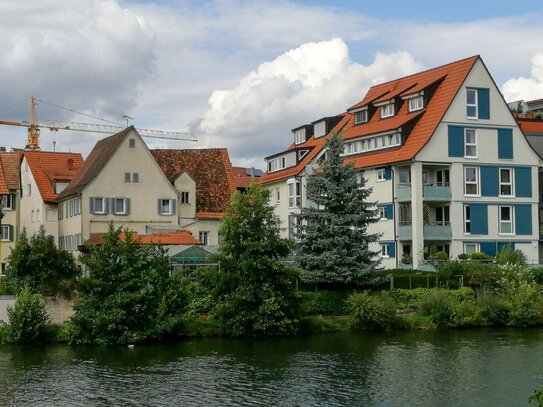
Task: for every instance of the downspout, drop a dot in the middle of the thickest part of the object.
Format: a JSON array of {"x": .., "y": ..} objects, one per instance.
[{"x": 394, "y": 217}]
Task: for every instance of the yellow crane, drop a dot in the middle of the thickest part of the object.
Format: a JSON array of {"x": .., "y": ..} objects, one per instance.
[{"x": 34, "y": 125}]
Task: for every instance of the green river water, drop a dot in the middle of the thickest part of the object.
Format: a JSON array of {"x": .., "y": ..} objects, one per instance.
[{"x": 425, "y": 368}]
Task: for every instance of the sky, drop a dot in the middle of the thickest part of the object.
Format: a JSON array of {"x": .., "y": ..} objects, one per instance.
[{"x": 241, "y": 74}]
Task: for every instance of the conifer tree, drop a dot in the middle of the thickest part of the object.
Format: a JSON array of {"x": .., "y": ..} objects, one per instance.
[{"x": 334, "y": 239}]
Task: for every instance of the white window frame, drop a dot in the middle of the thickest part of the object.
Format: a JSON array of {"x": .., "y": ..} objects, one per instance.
[
  {"x": 510, "y": 222},
  {"x": 445, "y": 214},
  {"x": 277, "y": 195},
  {"x": 470, "y": 144},
  {"x": 477, "y": 182},
  {"x": 361, "y": 116},
  {"x": 127, "y": 177},
  {"x": 401, "y": 174},
  {"x": 385, "y": 253},
  {"x": 416, "y": 103},
  {"x": 467, "y": 220},
  {"x": 277, "y": 164},
  {"x": 9, "y": 238},
  {"x": 360, "y": 178},
  {"x": 472, "y": 105},
  {"x": 135, "y": 177},
  {"x": 476, "y": 246},
  {"x": 203, "y": 237},
  {"x": 184, "y": 197},
  {"x": 382, "y": 212},
  {"x": 124, "y": 206},
  {"x": 381, "y": 175},
  {"x": 299, "y": 136},
  {"x": 166, "y": 203},
  {"x": 104, "y": 205},
  {"x": 387, "y": 110},
  {"x": 505, "y": 184},
  {"x": 294, "y": 193},
  {"x": 7, "y": 202}
]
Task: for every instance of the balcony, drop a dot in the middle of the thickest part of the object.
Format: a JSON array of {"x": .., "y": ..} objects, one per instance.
[
  {"x": 436, "y": 193},
  {"x": 437, "y": 231},
  {"x": 404, "y": 232},
  {"x": 404, "y": 193}
]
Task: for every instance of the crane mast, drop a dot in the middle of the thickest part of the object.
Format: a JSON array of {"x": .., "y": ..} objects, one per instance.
[{"x": 34, "y": 125}]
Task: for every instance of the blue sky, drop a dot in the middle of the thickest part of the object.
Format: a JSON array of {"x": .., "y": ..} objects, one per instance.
[{"x": 241, "y": 73}]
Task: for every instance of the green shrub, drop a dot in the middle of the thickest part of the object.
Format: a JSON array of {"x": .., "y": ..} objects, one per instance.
[
  {"x": 536, "y": 399},
  {"x": 537, "y": 273},
  {"x": 28, "y": 318},
  {"x": 492, "y": 308},
  {"x": 324, "y": 302},
  {"x": 441, "y": 256},
  {"x": 321, "y": 324},
  {"x": 523, "y": 310},
  {"x": 463, "y": 256},
  {"x": 478, "y": 256},
  {"x": 413, "y": 298},
  {"x": 507, "y": 255},
  {"x": 438, "y": 305},
  {"x": 369, "y": 311}
]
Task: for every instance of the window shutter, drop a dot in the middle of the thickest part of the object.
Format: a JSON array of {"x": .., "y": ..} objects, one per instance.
[
  {"x": 91, "y": 204},
  {"x": 523, "y": 182},
  {"x": 389, "y": 211},
  {"x": 11, "y": 237},
  {"x": 13, "y": 201},
  {"x": 174, "y": 206},
  {"x": 488, "y": 248},
  {"x": 523, "y": 219},
  {"x": 489, "y": 181},
  {"x": 388, "y": 173},
  {"x": 456, "y": 141},
  {"x": 479, "y": 219},
  {"x": 391, "y": 249},
  {"x": 505, "y": 143},
  {"x": 127, "y": 208},
  {"x": 483, "y": 102},
  {"x": 158, "y": 207}
]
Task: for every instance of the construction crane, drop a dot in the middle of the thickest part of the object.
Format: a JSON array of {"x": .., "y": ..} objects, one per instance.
[{"x": 34, "y": 125}]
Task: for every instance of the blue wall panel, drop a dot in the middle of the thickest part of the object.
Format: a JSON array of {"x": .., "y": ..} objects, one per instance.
[
  {"x": 523, "y": 219},
  {"x": 505, "y": 143},
  {"x": 479, "y": 219},
  {"x": 523, "y": 182},
  {"x": 456, "y": 141},
  {"x": 489, "y": 181},
  {"x": 483, "y": 101}
]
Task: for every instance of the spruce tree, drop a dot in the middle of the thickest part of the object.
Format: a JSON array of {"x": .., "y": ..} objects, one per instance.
[{"x": 333, "y": 236}]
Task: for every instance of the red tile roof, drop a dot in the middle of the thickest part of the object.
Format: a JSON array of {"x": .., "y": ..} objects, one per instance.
[
  {"x": 47, "y": 167},
  {"x": 178, "y": 237},
  {"x": 11, "y": 163},
  {"x": 531, "y": 126},
  {"x": 210, "y": 169},
  {"x": 448, "y": 78},
  {"x": 241, "y": 178}
]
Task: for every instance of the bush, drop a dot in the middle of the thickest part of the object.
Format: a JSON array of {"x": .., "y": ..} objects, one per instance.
[
  {"x": 464, "y": 314},
  {"x": 478, "y": 256},
  {"x": 463, "y": 256},
  {"x": 441, "y": 256},
  {"x": 537, "y": 273},
  {"x": 28, "y": 318},
  {"x": 413, "y": 298},
  {"x": 507, "y": 255},
  {"x": 324, "y": 302},
  {"x": 523, "y": 310},
  {"x": 369, "y": 311},
  {"x": 492, "y": 308},
  {"x": 439, "y": 306}
]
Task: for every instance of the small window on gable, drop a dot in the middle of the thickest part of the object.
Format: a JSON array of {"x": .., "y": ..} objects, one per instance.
[
  {"x": 135, "y": 177},
  {"x": 132, "y": 143},
  {"x": 184, "y": 198},
  {"x": 471, "y": 103},
  {"x": 203, "y": 237},
  {"x": 387, "y": 110},
  {"x": 299, "y": 136},
  {"x": 361, "y": 116},
  {"x": 120, "y": 206},
  {"x": 470, "y": 143},
  {"x": 416, "y": 103},
  {"x": 166, "y": 206},
  {"x": 98, "y": 205},
  {"x": 60, "y": 186},
  {"x": 319, "y": 129},
  {"x": 127, "y": 177}
]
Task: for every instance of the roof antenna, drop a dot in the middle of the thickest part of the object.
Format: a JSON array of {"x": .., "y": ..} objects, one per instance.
[{"x": 127, "y": 118}]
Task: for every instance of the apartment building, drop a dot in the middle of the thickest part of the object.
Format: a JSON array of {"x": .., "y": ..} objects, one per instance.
[{"x": 10, "y": 202}]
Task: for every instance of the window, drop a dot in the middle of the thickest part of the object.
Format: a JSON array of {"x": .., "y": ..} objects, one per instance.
[
  {"x": 404, "y": 176},
  {"x": 387, "y": 110},
  {"x": 60, "y": 186},
  {"x": 319, "y": 129},
  {"x": 127, "y": 177},
  {"x": 361, "y": 117},
  {"x": 276, "y": 164},
  {"x": 442, "y": 178},
  {"x": 7, "y": 233},
  {"x": 471, "y": 181},
  {"x": 416, "y": 103},
  {"x": 294, "y": 193},
  {"x": 471, "y": 103},
  {"x": 203, "y": 237},
  {"x": 38, "y": 216},
  {"x": 131, "y": 143},
  {"x": 185, "y": 197},
  {"x": 381, "y": 174},
  {"x": 471, "y": 248},
  {"x": 29, "y": 193},
  {"x": 299, "y": 136},
  {"x": 7, "y": 202},
  {"x": 98, "y": 206},
  {"x": 467, "y": 220},
  {"x": 442, "y": 215},
  {"x": 165, "y": 206},
  {"x": 50, "y": 215},
  {"x": 506, "y": 220},
  {"x": 385, "y": 251},
  {"x": 276, "y": 196},
  {"x": 382, "y": 211},
  {"x": 470, "y": 143},
  {"x": 506, "y": 182},
  {"x": 136, "y": 177},
  {"x": 120, "y": 206},
  {"x": 360, "y": 178}
]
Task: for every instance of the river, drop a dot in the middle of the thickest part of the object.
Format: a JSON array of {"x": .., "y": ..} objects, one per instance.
[{"x": 494, "y": 367}]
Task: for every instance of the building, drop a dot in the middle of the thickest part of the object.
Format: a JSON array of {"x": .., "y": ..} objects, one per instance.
[
  {"x": 244, "y": 176},
  {"x": 120, "y": 183},
  {"x": 43, "y": 176},
  {"x": 10, "y": 201},
  {"x": 204, "y": 180},
  {"x": 449, "y": 167}
]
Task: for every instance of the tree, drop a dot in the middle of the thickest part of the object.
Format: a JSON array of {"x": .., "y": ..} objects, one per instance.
[
  {"x": 38, "y": 263},
  {"x": 333, "y": 236},
  {"x": 128, "y": 295},
  {"x": 28, "y": 318},
  {"x": 256, "y": 292}
]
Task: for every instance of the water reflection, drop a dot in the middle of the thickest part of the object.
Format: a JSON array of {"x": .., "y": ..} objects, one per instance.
[{"x": 451, "y": 368}]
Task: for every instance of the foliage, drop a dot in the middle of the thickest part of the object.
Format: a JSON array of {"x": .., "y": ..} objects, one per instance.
[
  {"x": 463, "y": 256},
  {"x": 371, "y": 311},
  {"x": 413, "y": 298},
  {"x": 513, "y": 274},
  {"x": 324, "y": 302},
  {"x": 536, "y": 399},
  {"x": 465, "y": 314},
  {"x": 537, "y": 273},
  {"x": 478, "y": 256},
  {"x": 321, "y": 324},
  {"x": 507, "y": 255},
  {"x": 522, "y": 310},
  {"x": 128, "y": 296},
  {"x": 438, "y": 305},
  {"x": 493, "y": 309},
  {"x": 407, "y": 258},
  {"x": 255, "y": 291},
  {"x": 38, "y": 263},
  {"x": 441, "y": 256},
  {"x": 334, "y": 236},
  {"x": 27, "y": 318}
]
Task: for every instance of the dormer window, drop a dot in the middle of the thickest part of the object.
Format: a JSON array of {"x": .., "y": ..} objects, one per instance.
[
  {"x": 319, "y": 129},
  {"x": 276, "y": 164},
  {"x": 299, "y": 136},
  {"x": 387, "y": 110},
  {"x": 361, "y": 116},
  {"x": 416, "y": 103}
]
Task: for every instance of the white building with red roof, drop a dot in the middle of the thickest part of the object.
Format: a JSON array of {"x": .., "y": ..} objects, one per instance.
[{"x": 449, "y": 167}]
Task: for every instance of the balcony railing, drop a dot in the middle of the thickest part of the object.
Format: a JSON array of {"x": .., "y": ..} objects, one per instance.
[
  {"x": 436, "y": 192},
  {"x": 437, "y": 231}
]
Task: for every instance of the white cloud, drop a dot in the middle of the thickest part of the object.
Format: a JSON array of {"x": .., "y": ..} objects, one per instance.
[
  {"x": 316, "y": 79},
  {"x": 526, "y": 88}
]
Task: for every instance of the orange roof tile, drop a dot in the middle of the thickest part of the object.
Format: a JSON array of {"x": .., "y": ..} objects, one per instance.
[
  {"x": 47, "y": 167},
  {"x": 178, "y": 237},
  {"x": 531, "y": 126},
  {"x": 210, "y": 169},
  {"x": 241, "y": 179},
  {"x": 4, "y": 190},
  {"x": 209, "y": 215},
  {"x": 11, "y": 163}
]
